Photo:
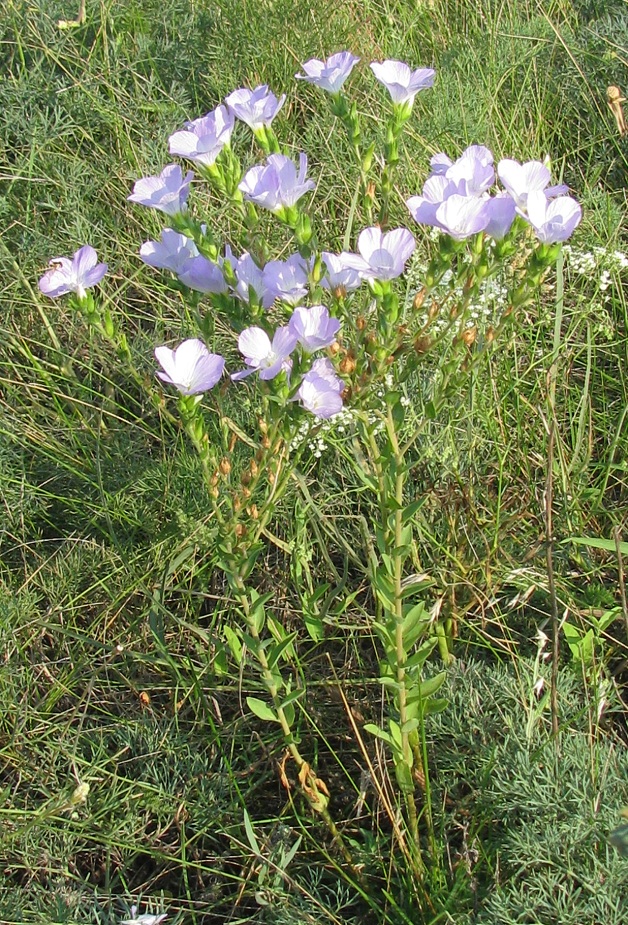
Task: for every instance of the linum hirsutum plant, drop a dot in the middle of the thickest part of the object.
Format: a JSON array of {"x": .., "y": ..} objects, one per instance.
[{"x": 324, "y": 335}]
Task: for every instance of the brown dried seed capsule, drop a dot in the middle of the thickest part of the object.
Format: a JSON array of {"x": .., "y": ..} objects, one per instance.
[
  {"x": 254, "y": 468},
  {"x": 263, "y": 426},
  {"x": 225, "y": 466},
  {"x": 334, "y": 348},
  {"x": 469, "y": 335},
  {"x": 419, "y": 298},
  {"x": 245, "y": 478},
  {"x": 490, "y": 335},
  {"x": 265, "y": 442},
  {"x": 253, "y": 512},
  {"x": 347, "y": 365},
  {"x": 237, "y": 503},
  {"x": 434, "y": 310},
  {"x": 246, "y": 493},
  {"x": 239, "y": 530},
  {"x": 340, "y": 292},
  {"x": 360, "y": 322},
  {"x": 214, "y": 480},
  {"x": 422, "y": 344}
]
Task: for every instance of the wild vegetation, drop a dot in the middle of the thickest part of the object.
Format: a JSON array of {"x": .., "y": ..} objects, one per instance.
[{"x": 142, "y": 761}]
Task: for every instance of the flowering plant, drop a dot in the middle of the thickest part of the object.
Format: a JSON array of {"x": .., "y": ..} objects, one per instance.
[{"x": 330, "y": 333}]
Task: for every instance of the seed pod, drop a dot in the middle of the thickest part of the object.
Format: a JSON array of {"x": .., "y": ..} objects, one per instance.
[
  {"x": 360, "y": 322},
  {"x": 265, "y": 442},
  {"x": 263, "y": 426},
  {"x": 422, "y": 343},
  {"x": 347, "y": 365},
  {"x": 419, "y": 299},
  {"x": 225, "y": 466},
  {"x": 237, "y": 503},
  {"x": 469, "y": 335},
  {"x": 239, "y": 530},
  {"x": 254, "y": 468},
  {"x": 245, "y": 493},
  {"x": 253, "y": 512}
]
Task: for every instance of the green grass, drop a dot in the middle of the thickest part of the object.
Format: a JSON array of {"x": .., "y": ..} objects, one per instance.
[{"x": 114, "y": 667}]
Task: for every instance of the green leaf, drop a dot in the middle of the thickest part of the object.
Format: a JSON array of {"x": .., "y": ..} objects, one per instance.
[
  {"x": 234, "y": 643},
  {"x": 411, "y": 509},
  {"x": 250, "y": 834},
  {"x": 435, "y": 705},
  {"x": 261, "y": 710},
  {"x": 378, "y": 733},
  {"x": 280, "y": 648},
  {"x": 431, "y": 685},
  {"x": 596, "y": 543}
]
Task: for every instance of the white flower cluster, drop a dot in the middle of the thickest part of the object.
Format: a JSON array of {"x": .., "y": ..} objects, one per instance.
[{"x": 602, "y": 260}]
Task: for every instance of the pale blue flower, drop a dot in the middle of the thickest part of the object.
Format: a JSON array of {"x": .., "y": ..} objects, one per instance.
[
  {"x": 321, "y": 390},
  {"x": 203, "y": 275},
  {"x": 553, "y": 220},
  {"x": 313, "y": 327},
  {"x": 269, "y": 359},
  {"x": 473, "y": 169},
  {"x": 501, "y": 211},
  {"x": 250, "y": 278},
  {"x": 331, "y": 74},
  {"x": 276, "y": 185},
  {"x": 191, "y": 368},
  {"x": 171, "y": 253},
  {"x": 286, "y": 279},
  {"x": 382, "y": 256},
  {"x": 462, "y": 216},
  {"x": 402, "y": 83},
  {"x": 521, "y": 179},
  {"x": 202, "y": 140},
  {"x": 256, "y": 107},
  {"x": 76, "y": 275},
  {"x": 168, "y": 192},
  {"x": 338, "y": 276}
]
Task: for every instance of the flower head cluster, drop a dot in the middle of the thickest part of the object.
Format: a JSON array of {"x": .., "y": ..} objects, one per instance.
[
  {"x": 455, "y": 198},
  {"x": 76, "y": 275}
]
